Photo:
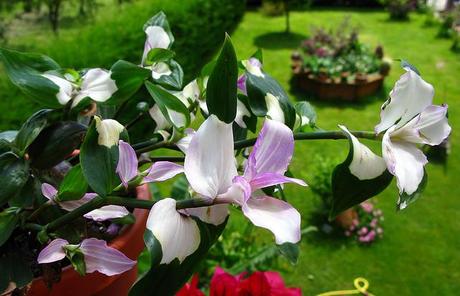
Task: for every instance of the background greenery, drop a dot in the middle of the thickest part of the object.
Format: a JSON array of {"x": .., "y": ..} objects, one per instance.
[{"x": 418, "y": 254}]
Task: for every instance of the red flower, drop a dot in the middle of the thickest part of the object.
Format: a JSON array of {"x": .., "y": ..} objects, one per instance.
[{"x": 191, "y": 289}]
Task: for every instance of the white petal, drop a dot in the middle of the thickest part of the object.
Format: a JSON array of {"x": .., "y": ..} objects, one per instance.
[
  {"x": 366, "y": 164},
  {"x": 160, "y": 69},
  {"x": 215, "y": 215},
  {"x": 179, "y": 236},
  {"x": 253, "y": 66},
  {"x": 97, "y": 85},
  {"x": 158, "y": 117},
  {"x": 65, "y": 88},
  {"x": 185, "y": 141},
  {"x": 191, "y": 91},
  {"x": 162, "y": 171},
  {"x": 275, "y": 215},
  {"x": 409, "y": 97},
  {"x": 405, "y": 161},
  {"x": 274, "y": 110},
  {"x": 156, "y": 38},
  {"x": 106, "y": 213},
  {"x": 210, "y": 162},
  {"x": 109, "y": 131},
  {"x": 241, "y": 111}
]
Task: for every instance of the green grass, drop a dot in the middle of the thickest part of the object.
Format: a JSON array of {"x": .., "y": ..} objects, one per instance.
[{"x": 419, "y": 252}]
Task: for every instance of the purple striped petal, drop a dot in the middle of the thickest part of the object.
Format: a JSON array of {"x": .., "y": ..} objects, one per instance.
[
  {"x": 53, "y": 252},
  {"x": 162, "y": 170},
  {"x": 275, "y": 215},
  {"x": 49, "y": 191},
  {"x": 272, "y": 151},
  {"x": 241, "y": 84},
  {"x": 73, "y": 204},
  {"x": 106, "y": 213},
  {"x": 127, "y": 163},
  {"x": 270, "y": 179},
  {"x": 102, "y": 258}
]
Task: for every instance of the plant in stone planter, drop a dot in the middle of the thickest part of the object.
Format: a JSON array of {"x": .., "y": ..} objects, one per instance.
[{"x": 70, "y": 176}]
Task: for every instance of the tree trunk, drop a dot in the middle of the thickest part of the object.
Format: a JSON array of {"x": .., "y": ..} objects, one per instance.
[
  {"x": 286, "y": 12},
  {"x": 53, "y": 14},
  {"x": 27, "y": 6}
]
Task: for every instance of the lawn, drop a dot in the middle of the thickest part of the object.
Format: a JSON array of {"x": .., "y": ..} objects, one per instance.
[{"x": 418, "y": 254}]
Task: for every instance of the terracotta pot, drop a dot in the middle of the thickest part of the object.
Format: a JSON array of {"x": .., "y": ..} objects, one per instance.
[
  {"x": 345, "y": 219},
  {"x": 130, "y": 242}
]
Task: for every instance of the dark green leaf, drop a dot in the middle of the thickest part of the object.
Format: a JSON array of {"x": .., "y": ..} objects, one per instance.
[
  {"x": 8, "y": 219},
  {"x": 406, "y": 64},
  {"x": 221, "y": 89},
  {"x": 406, "y": 199},
  {"x": 166, "y": 102},
  {"x": 73, "y": 186},
  {"x": 14, "y": 172},
  {"x": 290, "y": 251},
  {"x": 128, "y": 78},
  {"x": 306, "y": 113},
  {"x": 173, "y": 80},
  {"x": 77, "y": 258},
  {"x": 258, "y": 88},
  {"x": 126, "y": 220},
  {"x": 99, "y": 163},
  {"x": 29, "y": 193},
  {"x": 157, "y": 55},
  {"x": 167, "y": 279},
  {"x": 55, "y": 143},
  {"x": 348, "y": 190},
  {"x": 251, "y": 121},
  {"x": 25, "y": 69},
  {"x": 32, "y": 128},
  {"x": 258, "y": 55},
  {"x": 16, "y": 269}
]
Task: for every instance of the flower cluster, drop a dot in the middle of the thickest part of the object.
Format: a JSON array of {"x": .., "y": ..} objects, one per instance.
[
  {"x": 366, "y": 228},
  {"x": 267, "y": 283}
]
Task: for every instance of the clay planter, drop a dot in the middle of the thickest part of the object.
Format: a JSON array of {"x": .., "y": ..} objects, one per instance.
[
  {"x": 345, "y": 219},
  {"x": 328, "y": 89},
  {"x": 130, "y": 242}
]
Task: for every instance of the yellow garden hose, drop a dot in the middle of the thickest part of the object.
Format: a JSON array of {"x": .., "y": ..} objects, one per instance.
[{"x": 361, "y": 285}]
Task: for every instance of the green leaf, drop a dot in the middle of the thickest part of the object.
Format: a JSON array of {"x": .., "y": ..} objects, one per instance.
[
  {"x": 25, "y": 69},
  {"x": 306, "y": 113},
  {"x": 221, "y": 90},
  {"x": 160, "y": 20},
  {"x": 29, "y": 193},
  {"x": 167, "y": 279},
  {"x": 167, "y": 103},
  {"x": 173, "y": 80},
  {"x": 157, "y": 55},
  {"x": 406, "y": 199},
  {"x": 406, "y": 64},
  {"x": 99, "y": 163},
  {"x": 8, "y": 220},
  {"x": 180, "y": 188},
  {"x": 251, "y": 121},
  {"x": 55, "y": 143},
  {"x": 126, "y": 220},
  {"x": 258, "y": 88},
  {"x": 348, "y": 190},
  {"x": 290, "y": 251},
  {"x": 14, "y": 172},
  {"x": 16, "y": 269},
  {"x": 76, "y": 258},
  {"x": 8, "y": 135},
  {"x": 73, "y": 186},
  {"x": 128, "y": 78},
  {"x": 32, "y": 128}
]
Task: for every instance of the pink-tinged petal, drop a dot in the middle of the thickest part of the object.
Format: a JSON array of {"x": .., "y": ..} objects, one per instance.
[
  {"x": 73, "y": 204},
  {"x": 183, "y": 143},
  {"x": 127, "y": 163},
  {"x": 275, "y": 215},
  {"x": 157, "y": 37},
  {"x": 49, "y": 191},
  {"x": 223, "y": 284},
  {"x": 98, "y": 85},
  {"x": 162, "y": 170},
  {"x": 53, "y": 252},
  {"x": 271, "y": 179},
  {"x": 277, "y": 286},
  {"x": 178, "y": 235},
  {"x": 405, "y": 161},
  {"x": 272, "y": 151},
  {"x": 236, "y": 194},
  {"x": 105, "y": 259},
  {"x": 409, "y": 97},
  {"x": 106, "y": 213},
  {"x": 241, "y": 84},
  {"x": 210, "y": 162},
  {"x": 430, "y": 127}
]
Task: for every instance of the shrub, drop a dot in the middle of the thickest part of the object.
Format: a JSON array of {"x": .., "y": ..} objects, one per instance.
[
  {"x": 399, "y": 9},
  {"x": 198, "y": 25}
]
